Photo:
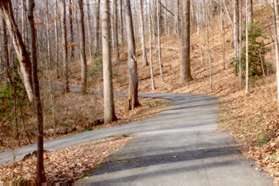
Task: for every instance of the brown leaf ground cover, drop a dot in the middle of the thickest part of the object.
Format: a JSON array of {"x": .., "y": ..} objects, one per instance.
[{"x": 63, "y": 166}]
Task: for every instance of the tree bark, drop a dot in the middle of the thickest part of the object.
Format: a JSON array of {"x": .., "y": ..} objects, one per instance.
[
  {"x": 48, "y": 34},
  {"x": 23, "y": 23},
  {"x": 37, "y": 99},
  {"x": 150, "y": 50},
  {"x": 109, "y": 110},
  {"x": 21, "y": 51},
  {"x": 115, "y": 29},
  {"x": 133, "y": 100},
  {"x": 89, "y": 32},
  {"x": 276, "y": 19},
  {"x": 83, "y": 50},
  {"x": 248, "y": 22},
  {"x": 158, "y": 8},
  {"x": 250, "y": 11},
  {"x": 72, "y": 53},
  {"x": 185, "y": 67},
  {"x": 65, "y": 53},
  {"x": 236, "y": 28},
  {"x": 56, "y": 39},
  {"x": 121, "y": 22},
  {"x": 223, "y": 39},
  {"x": 98, "y": 31},
  {"x": 177, "y": 16},
  {"x": 144, "y": 55},
  {"x": 240, "y": 43}
]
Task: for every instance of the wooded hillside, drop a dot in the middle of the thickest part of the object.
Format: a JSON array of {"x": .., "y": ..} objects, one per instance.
[{"x": 67, "y": 66}]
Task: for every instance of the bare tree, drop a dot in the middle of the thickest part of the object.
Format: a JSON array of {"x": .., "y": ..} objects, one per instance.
[
  {"x": 250, "y": 11},
  {"x": 115, "y": 28},
  {"x": 150, "y": 49},
  {"x": 23, "y": 18},
  {"x": 144, "y": 55},
  {"x": 248, "y": 22},
  {"x": 185, "y": 67},
  {"x": 276, "y": 18},
  {"x": 223, "y": 37},
  {"x": 65, "y": 53},
  {"x": 133, "y": 100},
  {"x": 37, "y": 99},
  {"x": 56, "y": 39},
  {"x": 97, "y": 37},
  {"x": 236, "y": 28},
  {"x": 22, "y": 54},
  {"x": 89, "y": 30},
  {"x": 158, "y": 11},
  {"x": 83, "y": 50},
  {"x": 109, "y": 110},
  {"x": 177, "y": 16},
  {"x": 121, "y": 21},
  {"x": 72, "y": 51}
]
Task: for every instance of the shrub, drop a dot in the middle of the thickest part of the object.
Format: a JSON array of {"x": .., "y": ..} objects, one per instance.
[
  {"x": 12, "y": 93},
  {"x": 97, "y": 66},
  {"x": 257, "y": 51}
]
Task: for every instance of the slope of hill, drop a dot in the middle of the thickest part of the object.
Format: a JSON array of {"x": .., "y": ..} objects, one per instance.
[{"x": 252, "y": 119}]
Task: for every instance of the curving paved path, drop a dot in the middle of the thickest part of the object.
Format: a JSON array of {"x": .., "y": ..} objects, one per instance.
[{"x": 178, "y": 147}]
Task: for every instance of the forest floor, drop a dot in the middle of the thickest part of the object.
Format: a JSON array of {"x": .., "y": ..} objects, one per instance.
[
  {"x": 253, "y": 120},
  {"x": 62, "y": 166}
]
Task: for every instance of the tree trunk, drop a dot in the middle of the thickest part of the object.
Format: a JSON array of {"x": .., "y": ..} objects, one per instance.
[
  {"x": 23, "y": 22},
  {"x": 133, "y": 101},
  {"x": 122, "y": 22},
  {"x": 223, "y": 39},
  {"x": 56, "y": 39},
  {"x": 227, "y": 11},
  {"x": 89, "y": 32},
  {"x": 109, "y": 110},
  {"x": 276, "y": 17},
  {"x": 72, "y": 53},
  {"x": 65, "y": 53},
  {"x": 240, "y": 43},
  {"x": 115, "y": 29},
  {"x": 98, "y": 31},
  {"x": 185, "y": 68},
  {"x": 177, "y": 16},
  {"x": 236, "y": 28},
  {"x": 21, "y": 51},
  {"x": 150, "y": 48},
  {"x": 144, "y": 55},
  {"x": 158, "y": 8},
  {"x": 250, "y": 11},
  {"x": 48, "y": 34},
  {"x": 83, "y": 50},
  {"x": 37, "y": 99},
  {"x": 248, "y": 22}
]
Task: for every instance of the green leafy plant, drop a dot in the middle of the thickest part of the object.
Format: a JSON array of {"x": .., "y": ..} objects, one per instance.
[
  {"x": 12, "y": 93},
  {"x": 262, "y": 139},
  {"x": 258, "y": 66},
  {"x": 96, "y": 68}
]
